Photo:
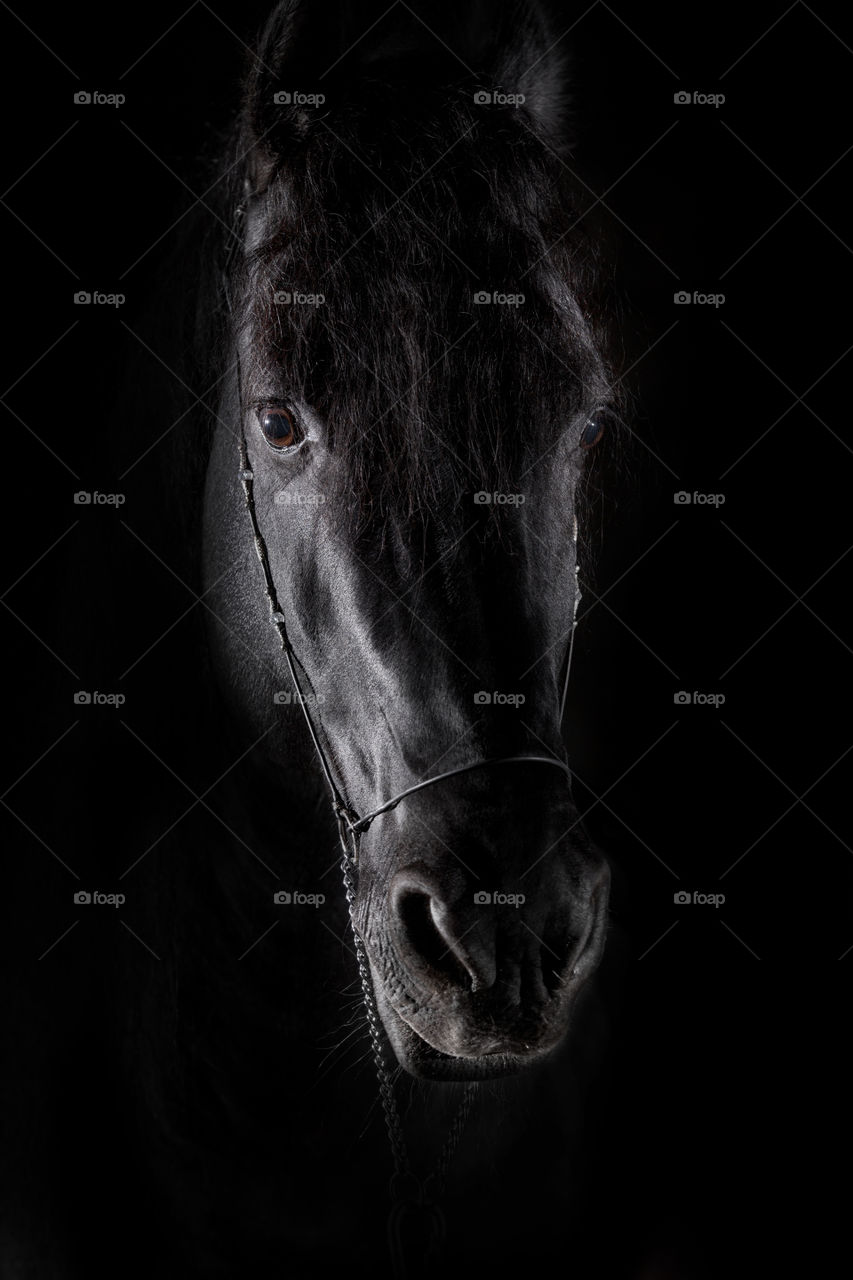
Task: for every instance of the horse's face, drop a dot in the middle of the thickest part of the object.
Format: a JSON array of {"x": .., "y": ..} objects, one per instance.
[
  {"x": 416, "y": 455},
  {"x": 428, "y": 645}
]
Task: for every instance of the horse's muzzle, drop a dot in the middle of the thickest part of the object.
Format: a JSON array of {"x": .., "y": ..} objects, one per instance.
[{"x": 473, "y": 983}]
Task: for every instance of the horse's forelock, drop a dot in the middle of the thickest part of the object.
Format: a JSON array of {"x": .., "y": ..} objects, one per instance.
[{"x": 392, "y": 231}]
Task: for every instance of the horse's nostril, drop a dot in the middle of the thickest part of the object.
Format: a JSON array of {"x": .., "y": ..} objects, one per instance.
[
  {"x": 425, "y": 940},
  {"x": 437, "y": 945}
]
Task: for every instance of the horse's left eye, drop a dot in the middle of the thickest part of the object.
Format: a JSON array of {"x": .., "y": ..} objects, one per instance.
[
  {"x": 280, "y": 427},
  {"x": 594, "y": 430}
]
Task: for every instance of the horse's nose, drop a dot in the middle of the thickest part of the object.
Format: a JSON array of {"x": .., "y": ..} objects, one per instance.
[
  {"x": 449, "y": 936},
  {"x": 439, "y": 942},
  {"x": 482, "y": 973}
]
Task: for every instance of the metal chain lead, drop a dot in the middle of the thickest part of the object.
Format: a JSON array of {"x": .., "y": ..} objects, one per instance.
[
  {"x": 393, "y": 1123},
  {"x": 454, "y": 1137}
]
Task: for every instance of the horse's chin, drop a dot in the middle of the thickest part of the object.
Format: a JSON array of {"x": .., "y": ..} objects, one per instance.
[{"x": 426, "y": 1062}]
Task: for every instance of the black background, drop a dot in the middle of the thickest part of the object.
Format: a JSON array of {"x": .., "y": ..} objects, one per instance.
[{"x": 724, "y": 1080}]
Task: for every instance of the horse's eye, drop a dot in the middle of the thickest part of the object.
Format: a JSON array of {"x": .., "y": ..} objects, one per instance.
[
  {"x": 280, "y": 427},
  {"x": 594, "y": 429}
]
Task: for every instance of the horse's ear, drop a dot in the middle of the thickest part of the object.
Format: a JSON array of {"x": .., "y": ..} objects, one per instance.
[
  {"x": 311, "y": 50},
  {"x": 531, "y": 62},
  {"x": 270, "y": 112}
]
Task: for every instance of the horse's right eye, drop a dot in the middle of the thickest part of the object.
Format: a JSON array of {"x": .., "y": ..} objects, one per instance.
[
  {"x": 280, "y": 427},
  {"x": 595, "y": 427}
]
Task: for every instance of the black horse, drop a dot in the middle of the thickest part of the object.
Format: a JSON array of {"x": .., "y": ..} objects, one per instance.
[{"x": 397, "y": 380}]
